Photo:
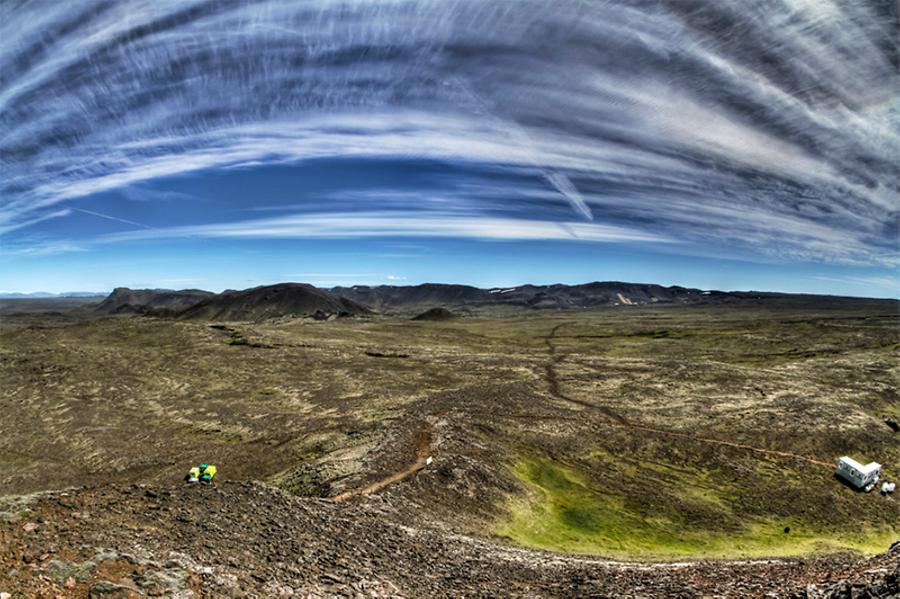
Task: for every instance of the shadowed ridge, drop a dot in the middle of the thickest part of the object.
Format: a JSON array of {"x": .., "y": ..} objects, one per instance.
[
  {"x": 155, "y": 302},
  {"x": 273, "y": 301},
  {"x": 435, "y": 314},
  {"x": 425, "y": 295}
]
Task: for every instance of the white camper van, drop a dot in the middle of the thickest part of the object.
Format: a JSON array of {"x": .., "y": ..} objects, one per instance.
[{"x": 861, "y": 477}]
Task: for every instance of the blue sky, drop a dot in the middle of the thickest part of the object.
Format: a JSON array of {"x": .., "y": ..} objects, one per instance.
[{"x": 225, "y": 145}]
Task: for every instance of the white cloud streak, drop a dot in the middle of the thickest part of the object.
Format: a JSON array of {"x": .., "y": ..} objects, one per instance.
[
  {"x": 21, "y": 224},
  {"x": 110, "y": 217},
  {"x": 890, "y": 283},
  {"x": 399, "y": 224},
  {"x": 37, "y": 249},
  {"x": 773, "y": 129}
]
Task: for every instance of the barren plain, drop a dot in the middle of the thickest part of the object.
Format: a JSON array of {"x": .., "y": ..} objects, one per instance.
[{"x": 609, "y": 451}]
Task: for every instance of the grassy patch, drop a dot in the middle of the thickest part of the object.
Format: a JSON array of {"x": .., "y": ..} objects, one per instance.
[{"x": 566, "y": 512}]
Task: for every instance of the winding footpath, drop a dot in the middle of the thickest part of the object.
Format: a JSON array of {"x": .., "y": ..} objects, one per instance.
[
  {"x": 425, "y": 433},
  {"x": 553, "y": 382},
  {"x": 423, "y": 450}
]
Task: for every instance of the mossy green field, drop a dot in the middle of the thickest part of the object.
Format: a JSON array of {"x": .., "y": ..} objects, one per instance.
[{"x": 563, "y": 511}]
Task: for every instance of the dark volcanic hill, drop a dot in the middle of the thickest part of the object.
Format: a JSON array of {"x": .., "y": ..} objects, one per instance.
[
  {"x": 528, "y": 296},
  {"x": 427, "y": 294},
  {"x": 435, "y": 314},
  {"x": 155, "y": 302},
  {"x": 272, "y": 301}
]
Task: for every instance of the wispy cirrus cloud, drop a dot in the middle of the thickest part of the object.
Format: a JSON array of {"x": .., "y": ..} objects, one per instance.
[
  {"x": 40, "y": 248},
  {"x": 888, "y": 283},
  {"x": 137, "y": 193},
  {"x": 111, "y": 217},
  {"x": 396, "y": 224},
  {"x": 14, "y": 224},
  {"x": 769, "y": 130}
]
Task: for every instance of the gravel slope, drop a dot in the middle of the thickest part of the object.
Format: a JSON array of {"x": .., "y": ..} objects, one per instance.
[{"x": 246, "y": 539}]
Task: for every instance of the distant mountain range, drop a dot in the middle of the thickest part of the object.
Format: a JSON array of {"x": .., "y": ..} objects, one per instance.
[
  {"x": 589, "y": 295},
  {"x": 258, "y": 303},
  {"x": 301, "y": 300},
  {"x": 46, "y": 295}
]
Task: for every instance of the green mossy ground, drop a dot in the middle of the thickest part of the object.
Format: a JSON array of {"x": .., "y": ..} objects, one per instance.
[{"x": 564, "y": 511}]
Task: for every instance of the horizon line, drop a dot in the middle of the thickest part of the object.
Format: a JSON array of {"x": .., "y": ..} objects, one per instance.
[{"x": 105, "y": 293}]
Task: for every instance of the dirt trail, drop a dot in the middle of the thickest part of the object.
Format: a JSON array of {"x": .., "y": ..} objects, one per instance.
[
  {"x": 711, "y": 441},
  {"x": 553, "y": 378},
  {"x": 425, "y": 432},
  {"x": 618, "y": 420},
  {"x": 423, "y": 450}
]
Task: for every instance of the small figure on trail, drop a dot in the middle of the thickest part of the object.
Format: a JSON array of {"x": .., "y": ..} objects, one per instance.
[
  {"x": 207, "y": 472},
  {"x": 193, "y": 475},
  {"x": 203, "y": 473}
]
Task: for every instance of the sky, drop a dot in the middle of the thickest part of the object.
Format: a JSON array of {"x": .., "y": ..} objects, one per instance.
[{"x": 190, "y": 144}]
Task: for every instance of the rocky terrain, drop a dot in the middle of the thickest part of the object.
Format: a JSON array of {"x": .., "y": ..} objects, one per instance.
[
  {"x": 628, "y": 450},
  {"x": 249, "y": 539}
]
